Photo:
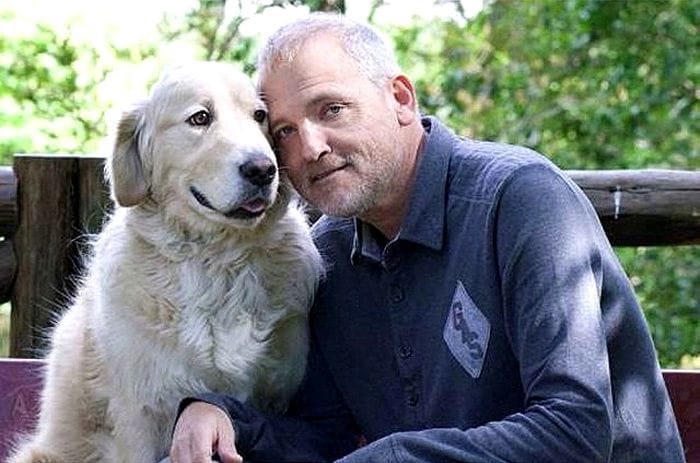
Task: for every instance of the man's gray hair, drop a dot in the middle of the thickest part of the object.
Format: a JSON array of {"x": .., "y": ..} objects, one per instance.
[{"x": 374, "y": 57}]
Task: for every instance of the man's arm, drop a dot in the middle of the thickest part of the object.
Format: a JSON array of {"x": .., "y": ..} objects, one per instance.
[{"x": 317, "y": 428}]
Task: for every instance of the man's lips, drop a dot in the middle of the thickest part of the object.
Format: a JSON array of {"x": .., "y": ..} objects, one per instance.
[{"x": 327, "y": 173}]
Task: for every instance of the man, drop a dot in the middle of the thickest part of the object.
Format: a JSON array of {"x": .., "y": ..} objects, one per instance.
[{"x": 473, "y": 309}]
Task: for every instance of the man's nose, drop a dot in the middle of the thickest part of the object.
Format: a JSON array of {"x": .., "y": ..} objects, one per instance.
[{"x": 314, "y": 142}]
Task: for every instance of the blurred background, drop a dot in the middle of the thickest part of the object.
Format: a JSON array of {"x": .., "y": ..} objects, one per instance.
[{"x": 592, "y": 84}]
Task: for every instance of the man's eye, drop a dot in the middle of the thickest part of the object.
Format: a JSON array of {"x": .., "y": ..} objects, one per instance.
[
  {"x": 260, "y": 115},
  {"x": 200, "y": 118},
  {"x": 282, "y": 133},
  {"x": 334, "y": 109}
]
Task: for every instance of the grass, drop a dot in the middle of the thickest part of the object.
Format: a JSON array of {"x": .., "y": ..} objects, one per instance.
[{"x": 5, "y": 330}]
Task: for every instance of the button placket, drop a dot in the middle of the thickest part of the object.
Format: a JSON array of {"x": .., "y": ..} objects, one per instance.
[
  {"x": 390, "y": 258},
  {"x": 398, "y": 304},
  {"x": 405, "y": 351},
  {"x": 396, "y": 293}
]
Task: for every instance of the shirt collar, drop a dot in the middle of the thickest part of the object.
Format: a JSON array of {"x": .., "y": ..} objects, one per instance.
[{"x": 424, "y": 223}]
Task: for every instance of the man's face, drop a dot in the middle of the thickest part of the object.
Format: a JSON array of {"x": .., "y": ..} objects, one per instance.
[{"x": 335, "y": 130}]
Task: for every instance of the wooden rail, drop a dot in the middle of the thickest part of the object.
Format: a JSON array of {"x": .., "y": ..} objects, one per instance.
[
  {"x": 645, "y": 207},
  {"x": 49, "y": 202}
]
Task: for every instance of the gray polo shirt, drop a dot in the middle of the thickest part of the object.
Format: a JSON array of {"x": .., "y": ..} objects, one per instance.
[{"x": 497, "y": 326}]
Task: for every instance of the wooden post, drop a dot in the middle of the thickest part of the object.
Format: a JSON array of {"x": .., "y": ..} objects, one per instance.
[{"x": 56, "y": 196}]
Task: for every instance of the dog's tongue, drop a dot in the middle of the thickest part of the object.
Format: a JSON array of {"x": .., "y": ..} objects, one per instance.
[{"x": 255, "y": 206}]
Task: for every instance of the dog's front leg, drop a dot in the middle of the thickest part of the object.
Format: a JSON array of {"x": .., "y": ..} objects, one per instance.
[{"x": 138, "y": 437}]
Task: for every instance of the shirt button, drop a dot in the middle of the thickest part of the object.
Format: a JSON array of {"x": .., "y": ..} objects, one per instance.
[
  {"x": 392, "y": 262},
  {"x": 396, "y": 293},
  {"x": 405, "y": 351},
  {"x": 412, "y": 400}
]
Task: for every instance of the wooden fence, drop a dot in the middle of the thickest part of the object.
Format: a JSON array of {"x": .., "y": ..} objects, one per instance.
[{"x": 48, "y": 203}]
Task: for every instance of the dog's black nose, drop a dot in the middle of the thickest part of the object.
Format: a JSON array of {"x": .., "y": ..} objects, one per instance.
[{"x": 259, "y": 172}]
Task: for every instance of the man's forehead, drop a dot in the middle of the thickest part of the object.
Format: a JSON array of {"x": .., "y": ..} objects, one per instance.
[
  {"x": 307, "y": 83},
  {"x": 315, "y": 51}
]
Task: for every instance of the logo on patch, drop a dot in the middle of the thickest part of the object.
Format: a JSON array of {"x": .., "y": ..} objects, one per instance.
[{"x": 466, "y": 332}]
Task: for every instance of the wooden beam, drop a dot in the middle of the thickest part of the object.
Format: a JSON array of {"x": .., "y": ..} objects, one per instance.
[
  {"x": 645, "y": 207},
  {"x": 60, "y": 198}
]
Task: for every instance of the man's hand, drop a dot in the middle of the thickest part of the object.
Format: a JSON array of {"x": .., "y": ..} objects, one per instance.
[{"x": 202, "y": 430}]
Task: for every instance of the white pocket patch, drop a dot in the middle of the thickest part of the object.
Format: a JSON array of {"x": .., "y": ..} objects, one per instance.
[{"x": 466, "y": 332}]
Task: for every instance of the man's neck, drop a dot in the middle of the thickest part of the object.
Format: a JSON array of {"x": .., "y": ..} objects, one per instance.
[
  {"x": 387, "y": 220},
  {"x": 388, "y": 215}
]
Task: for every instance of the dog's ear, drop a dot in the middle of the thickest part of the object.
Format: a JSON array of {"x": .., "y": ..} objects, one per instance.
[{"x": 130, "y": 184}]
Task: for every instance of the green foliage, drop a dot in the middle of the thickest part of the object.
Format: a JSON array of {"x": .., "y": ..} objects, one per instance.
[
  {"x": 219, "y": 35},
  {"x": 667, "y": 281},
  {"x": 325, "y": 5},
  {"x": 593, "y": 84},
  {"x": 46, "y": 103},
  {"x": 50, "y": 99}
]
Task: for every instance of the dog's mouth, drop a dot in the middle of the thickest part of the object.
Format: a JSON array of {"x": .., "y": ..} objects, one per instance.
[{"x": 249, "y": 209}]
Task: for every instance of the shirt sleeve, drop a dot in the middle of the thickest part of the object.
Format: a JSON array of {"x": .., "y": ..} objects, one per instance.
[
  {"x": 548, "y": 243},
  {"x": 317, "y": 427}
]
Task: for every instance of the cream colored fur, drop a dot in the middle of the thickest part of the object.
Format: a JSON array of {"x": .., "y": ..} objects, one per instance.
[{"x": 178, "y": 298}]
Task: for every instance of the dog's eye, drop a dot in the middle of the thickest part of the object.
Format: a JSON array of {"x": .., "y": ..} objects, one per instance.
[
  {"x": 259, "y": 115},
  {"x": 200, "y": 118}
]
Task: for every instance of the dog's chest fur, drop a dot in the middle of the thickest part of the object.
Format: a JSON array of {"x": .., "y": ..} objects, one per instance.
[{"x": 207, "y": 315}]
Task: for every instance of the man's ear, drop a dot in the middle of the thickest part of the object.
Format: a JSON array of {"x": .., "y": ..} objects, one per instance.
[
  {"x": 405, "y": 99},
  {"x": 130, "y": 184}
]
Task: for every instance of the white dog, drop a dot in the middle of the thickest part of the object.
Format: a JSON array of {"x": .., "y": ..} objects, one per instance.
[{"x": 201, "y": 281}]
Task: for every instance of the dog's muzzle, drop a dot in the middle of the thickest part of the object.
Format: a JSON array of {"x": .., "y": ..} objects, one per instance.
[
  {"x": 260, "y": 172},
  {"x": 249, "y": 209}
]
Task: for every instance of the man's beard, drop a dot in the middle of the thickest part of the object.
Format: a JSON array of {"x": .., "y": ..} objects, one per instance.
[{"x": 366, "y": 194}]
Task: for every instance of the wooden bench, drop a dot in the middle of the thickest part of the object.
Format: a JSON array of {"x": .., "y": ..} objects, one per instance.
[
  {"x": 684, "y": 389},
  {"x": 20, "y": 385},
  {"x": 20, "y": 382}
]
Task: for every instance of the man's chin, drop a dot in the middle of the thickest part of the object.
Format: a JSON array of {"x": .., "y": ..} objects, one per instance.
[
  {"x": 338, "y": 207},
  {"x": 338, "y": 212}
]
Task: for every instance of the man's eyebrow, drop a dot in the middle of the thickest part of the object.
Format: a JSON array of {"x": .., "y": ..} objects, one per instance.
[
  {"x": 315, "y": 101},
  {"x": 323, "y": 97}
]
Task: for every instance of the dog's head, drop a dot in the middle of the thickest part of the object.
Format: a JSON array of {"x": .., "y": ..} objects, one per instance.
[{"x": 198, "y": 147}]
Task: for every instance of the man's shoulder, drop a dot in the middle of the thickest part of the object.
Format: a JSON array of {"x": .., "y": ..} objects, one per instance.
[{"x": 478, "y": 169}]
